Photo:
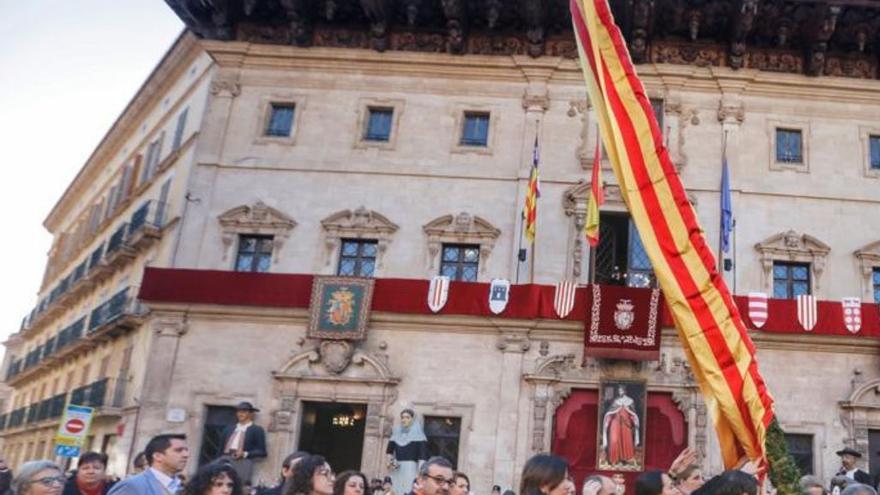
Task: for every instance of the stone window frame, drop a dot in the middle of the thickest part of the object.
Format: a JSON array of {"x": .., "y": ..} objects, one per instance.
[
  {"x": 265, "y": 113},
  {"x": 461, "y": 228},
  {"x": 255, "y": 219},
  {"x": 452, "y": 410},
  {"x": 795, "y": 125},
  {"x": 459, "y": 115},
  {"x": 865, "y": 133},
  {"x": 397, "y": 107},
  {"x": 869, "y": 258},
  {"x": 359, "y": 223},
  {"x": 817, "y": 430},
  {"x": 792, "y": 246}
]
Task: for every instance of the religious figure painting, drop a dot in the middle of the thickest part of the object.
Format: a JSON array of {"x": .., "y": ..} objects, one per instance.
[
  {"x": 340, "y": 307},
  {"x": 621, "y": 438}
]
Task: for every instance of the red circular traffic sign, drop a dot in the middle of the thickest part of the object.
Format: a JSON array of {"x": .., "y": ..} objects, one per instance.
[{"x": 75, "y": 425}]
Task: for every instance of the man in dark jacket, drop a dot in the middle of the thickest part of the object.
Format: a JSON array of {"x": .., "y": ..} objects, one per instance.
[
  {"x": 848, "y": 459},
  {"x": 90, "y": 477},
  {"x": 244, "y": 442}
]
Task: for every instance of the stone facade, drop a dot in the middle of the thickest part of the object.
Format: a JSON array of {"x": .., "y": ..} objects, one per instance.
[{"x": 422, "y": 188}]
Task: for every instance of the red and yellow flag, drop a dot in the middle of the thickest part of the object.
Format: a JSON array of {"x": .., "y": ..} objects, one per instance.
[
  {"x": 712, "y": 332},
  {"x": 597, "y": 197},
  {"x": 533, "y": 192}
]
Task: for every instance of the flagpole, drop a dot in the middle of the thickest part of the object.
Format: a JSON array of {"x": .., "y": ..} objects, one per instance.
[
  {"x": 519, "y": 254},
  {"x": 721, "y": 210},
  {"x": 535, "y": 237}
]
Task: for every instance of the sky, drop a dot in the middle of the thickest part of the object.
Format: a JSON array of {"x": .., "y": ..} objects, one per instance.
[{"x": 67, "y": 70}]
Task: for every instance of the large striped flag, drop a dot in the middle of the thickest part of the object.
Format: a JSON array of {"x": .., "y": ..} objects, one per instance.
[
  {"x": 597, "y": 197},
  {"x": 711, "y": 330},
  {"x": 533, "y": 192}
]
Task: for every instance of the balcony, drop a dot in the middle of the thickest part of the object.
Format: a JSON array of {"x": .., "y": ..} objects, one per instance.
[
  {"x": 118, "y": 252},
  {"x": 145, "y": 225},
  {"x": 16, "y": 418},
  {"x": 105, "y": 395},
  {"x": 119, "y": 314},
  {"x": 67, "y": 342}
]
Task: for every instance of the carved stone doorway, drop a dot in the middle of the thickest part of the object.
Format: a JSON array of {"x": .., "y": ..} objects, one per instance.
[{"x": 334, "y": 430}]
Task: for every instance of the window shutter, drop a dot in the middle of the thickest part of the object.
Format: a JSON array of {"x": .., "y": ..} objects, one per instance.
[
  {"x": 178, "y": 131},
  {"x": 136, "y": 175},
  {"x": 162, "y": 207},
  {"x": 158, "y": 158},
  {"x": 125, "y": 183}
]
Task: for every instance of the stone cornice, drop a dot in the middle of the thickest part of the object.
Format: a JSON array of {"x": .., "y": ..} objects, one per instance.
[
  {"x": 164, "y": 75},
  {"x": 517, "y": 69}
]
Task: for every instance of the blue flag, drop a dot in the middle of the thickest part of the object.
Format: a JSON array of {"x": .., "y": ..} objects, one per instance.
[{"x": 726, "y": 207}]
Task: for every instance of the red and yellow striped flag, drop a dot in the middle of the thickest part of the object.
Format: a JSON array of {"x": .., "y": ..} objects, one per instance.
[
  {"x": 533, "y": 192},
  {"x": 711, "y": 330},
  {"x": 597, "y": 197}
]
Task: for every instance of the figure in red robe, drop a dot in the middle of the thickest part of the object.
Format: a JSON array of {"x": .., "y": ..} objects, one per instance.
[{"x": 620, "y": 429}]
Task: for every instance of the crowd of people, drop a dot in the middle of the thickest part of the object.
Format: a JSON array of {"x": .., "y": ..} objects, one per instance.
[{"x": 159, "y": 471}]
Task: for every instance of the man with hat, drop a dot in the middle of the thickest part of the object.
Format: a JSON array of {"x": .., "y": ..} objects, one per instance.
[
  {"x": 848, "y": 459},
  {"x": 244, "y": 442}
]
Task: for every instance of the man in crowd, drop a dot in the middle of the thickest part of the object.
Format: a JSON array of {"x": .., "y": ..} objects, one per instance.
[
  {"x": 244, "y": 442},
  {"x": 435, "y": 477},
  {"x": 599, "y": 485},
  {"x": 5, "y": 478},
  {"x": 167, "y": 455},
  {"x": 461, "y": 485},
  {"x": 139, "y": 465},
  {"x": 848, "y": 460}
]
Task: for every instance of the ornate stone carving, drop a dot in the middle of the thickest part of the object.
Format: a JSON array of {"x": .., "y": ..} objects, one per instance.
[
  {"x": 357, "y": 224},
  {"x": 258, "y": 219},
  {"x": 792, "y": 246},
  {"x": 742, "y": 27},
  {"x": 699, "y": 55},
  {"x": 462, "y": 228},
  {"x": 869, "y": 258},
  {"x": 545, "y": 348},
  {"x": 731, "y": 112},
  {"x": 225, "y": 88},
  {"x": 514, "y": 340},
  {"x": 532, "y": 101},
  {"x": 336, "y": 355},
  {"x": 585, "y": 150},
  {"x": 638, "y": 39}
]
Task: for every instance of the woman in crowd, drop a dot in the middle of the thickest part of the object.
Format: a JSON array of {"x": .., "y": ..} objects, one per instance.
[
  {"x": 351, "y": 483},
  {"x": 90, "y": 477},
  {"x": 690, "y": 479},
  {"x": 545, "y": 474},
  {"x": 216, "y": 478},
  {"x": 655, "y": 483},
  {"x": 312, "y": 476},
  {"x": 38, "y": 478}
]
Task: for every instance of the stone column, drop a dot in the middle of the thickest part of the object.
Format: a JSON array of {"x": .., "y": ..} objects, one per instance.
[{"x": 513, "y": 343}]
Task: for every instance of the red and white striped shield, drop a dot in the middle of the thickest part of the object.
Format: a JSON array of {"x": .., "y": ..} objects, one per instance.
[
  {"x": 563, "y": 297},
  {"x": 807, "y": 312},
  {"x": 758, "y": 308},
  {"x": 438, "y": 291},
  {"x": 852, "y": 313}
]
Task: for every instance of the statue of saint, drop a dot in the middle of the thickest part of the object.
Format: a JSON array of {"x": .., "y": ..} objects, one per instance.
[{"x": 407, "y": 450}]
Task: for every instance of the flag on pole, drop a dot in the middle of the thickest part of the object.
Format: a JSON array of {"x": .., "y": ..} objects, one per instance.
[
  {"x": 597, "y": 196},
  {"x": 533, "y": 192},
  {"x": 712, "y": 333},
  {"x": 726, "y": 207}
]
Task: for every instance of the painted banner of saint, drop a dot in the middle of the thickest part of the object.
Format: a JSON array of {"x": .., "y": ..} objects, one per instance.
[{"x": 621, "y": 423}]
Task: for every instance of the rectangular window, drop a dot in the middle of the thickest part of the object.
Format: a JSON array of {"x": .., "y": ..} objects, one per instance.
[
  {"x": 789, "y": 146},
  {"x": 620, "y": 258},
  {"x": 178, "y": 130},
  {"x": 379, "y": 123},
  {"x": 800, "y": 446},
  {"x": 790, "y": 279},
  {"x": 357, "y": 258},
  {"x": 460, "y": 262},
  {"x": 874, "y": 150},
  {"x": 280, "y": 121},
  {"x": 475, "y": 131},
  {"x": 254, "y": 253},
  {"x": 875, "y": 282},
  {"x": 444, "y": 437}
]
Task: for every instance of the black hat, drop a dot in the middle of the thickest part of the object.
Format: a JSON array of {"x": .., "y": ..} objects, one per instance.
[
  {"x": 246, "y": 406},
  {"x": 852, "y": 452}
]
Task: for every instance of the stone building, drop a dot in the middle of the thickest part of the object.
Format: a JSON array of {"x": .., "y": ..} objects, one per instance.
[{"x": 394, "y": 140}]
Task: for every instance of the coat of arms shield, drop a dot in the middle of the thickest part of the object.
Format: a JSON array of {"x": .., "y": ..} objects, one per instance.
[
  {"x": 438, "y": 292},
  {"x": 624, "y": 315},
  {"x": 852, "y": 313},
  {"x": 563, "y": 297},
  {"x": 758, "y": 308},
  {"x": 807, "y": 312},
  {"x": 499, "y": 294}
]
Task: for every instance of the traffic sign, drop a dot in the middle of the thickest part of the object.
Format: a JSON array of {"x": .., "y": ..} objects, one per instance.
[{"x": 72, "y": 430}]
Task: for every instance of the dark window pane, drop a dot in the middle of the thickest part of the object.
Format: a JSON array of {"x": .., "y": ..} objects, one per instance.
[
  {"x": 800, "y": 288},
  {"x": 448, "y": 271},
  {"x": 874, "y": 150},
  {"x": 780, "y": 291},
  {"x": 367, "y": 268},
  {"x": 244, "y": 262},
  {"x": 469, "y": 274},
  {"x": 248, "y": 244},
  {"x": 471, "y": 255},
  {"x": 799, "y": 273},
  {"x": 443, "y": 435},
  {"x": 788, "y": 146},
  {"x": 460, "y": 261},
  {"x": 475, "y": 131},
  {"x": 349, "y": 248},
  {"x": 780, "y": 271},
  {"x": 450, "y": 254},
  {"x": 368, "y": 249},
  {"x": 264, "y": 263},
  {"x": 280, "y": 120},
  {"x": 346, "y": 267},
  {"x": 800, "y": 446},
  {"x": 266, "y": 245},
  {"x": 379, "y": 124},
  {"x": 876, "y": 285}
]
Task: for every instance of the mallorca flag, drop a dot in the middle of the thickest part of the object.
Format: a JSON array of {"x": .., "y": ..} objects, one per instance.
[
  {"x": 597, "y": 197},
  {"x": 711, "y": 330},
  {"x": 533, "y": 192}
]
